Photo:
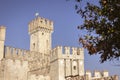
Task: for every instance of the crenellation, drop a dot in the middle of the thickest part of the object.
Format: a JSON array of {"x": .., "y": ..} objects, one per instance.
[
  {"x": 88, "y": 74},
  {"x": 53, "y": 54},
  {"x": 20, "y": 54},
  {"x": 2, "y": 32},
  {"x": 40, "y": 23},
  {"x": 15, "y": 53},
  {"x": 105, "y": 73},
  {"x": 59, "y": 51},
  {"x": 97, "y": 74},
  {"x": 80, "y": 53},
  {"x": 42, "y": 62},
  {"x": 7, "y": 52},
  {"x": 74, "y": 51},
  {"x": 67, "y": 61},
  {"x": 64, "y": 52},
  {"x": 2, "y": 41},
  {"x": 80, "y": 50},
  {"x": 56, "y": 53}
]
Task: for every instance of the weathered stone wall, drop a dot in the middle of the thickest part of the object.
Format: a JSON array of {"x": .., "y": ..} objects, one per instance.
[
  {"x": 1, "y": 69},
  {"x": 17, "y": 63},
  {"x": 38, "y": 77},
  {"x": 40, "y": 30},
  {"x": 2, "y": 40},
  {"x": 67, "y": 53},
  {"x": 57, "y": 71},
  {"x": 97, "y": 74},
  {"x": 14, "y": 69},
  {"x": 40, "y": 22},
  {"x": 36, "y": 60},
  {"x": 66, "y": 61},
  {"x": 41, "y": 62}
]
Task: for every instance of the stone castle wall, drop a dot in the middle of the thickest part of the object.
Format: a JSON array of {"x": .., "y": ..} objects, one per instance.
[
  {"x": 17, "y": 64},
  {"x": 40, "y": 31},
  {"x": 41, "y": 62},
  {"x": 14, "y": 69},
  {"x": 38, "y": 77},
  {"x": 66, "y": 61},
  {"x": 97, "y": 74},
  {"x": 2, "y": 40},
  {"x": 15, "y": 53},
  {"x": 67, "y": 52},
  {"x": 40, "y": 23}
]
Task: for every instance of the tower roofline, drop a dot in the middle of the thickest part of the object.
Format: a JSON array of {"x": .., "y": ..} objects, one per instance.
[{"x": 40, "y": 23}]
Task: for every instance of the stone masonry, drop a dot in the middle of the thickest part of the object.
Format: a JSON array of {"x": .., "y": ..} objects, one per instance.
[{"x": 42, "y": 62}]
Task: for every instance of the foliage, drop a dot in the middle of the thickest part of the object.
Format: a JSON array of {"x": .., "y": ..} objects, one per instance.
[{"x": 102, "y": 19}]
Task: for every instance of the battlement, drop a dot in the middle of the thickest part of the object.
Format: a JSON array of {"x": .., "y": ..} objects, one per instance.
[
  {"x": 21, "y": 54},
  {"x": 2, "y": 32},
  {"x": 40, "y": 23},
  {"x": 67, "y": 52},
  {"x": 36, "y": 60},
  {"x": 15, "y": 53},
  {"x": 97, "y": 74},
  {"x": 2, "y": 40}
]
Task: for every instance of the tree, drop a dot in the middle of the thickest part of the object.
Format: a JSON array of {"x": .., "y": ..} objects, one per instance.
[{"x": 103, "y": 20}]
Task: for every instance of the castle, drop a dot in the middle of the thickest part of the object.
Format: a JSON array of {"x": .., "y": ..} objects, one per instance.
[{"x": 42, "y": 62}]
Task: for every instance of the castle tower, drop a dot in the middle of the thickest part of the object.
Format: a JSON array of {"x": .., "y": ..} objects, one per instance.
[
  {"x": 2, "y": 40},
  {"x": 66, "y": 62},
  {"x": 40, "y": 30}
]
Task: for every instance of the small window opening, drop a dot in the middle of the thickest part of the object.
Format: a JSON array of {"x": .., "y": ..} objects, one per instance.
[
  {"x": 78, "y": 53},
  {"x": 42, "y": 33},
  {"x": 33, "y": 45},
  {"x": 45, "y": 21},
  {"x": 74, "y": 67}
]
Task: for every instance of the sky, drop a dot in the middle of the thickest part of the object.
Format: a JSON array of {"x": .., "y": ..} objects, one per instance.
[{"x": 16, "y": 14}]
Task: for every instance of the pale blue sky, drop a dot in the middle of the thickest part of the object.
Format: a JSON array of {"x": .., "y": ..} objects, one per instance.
[{"x": 16, "y": 14}]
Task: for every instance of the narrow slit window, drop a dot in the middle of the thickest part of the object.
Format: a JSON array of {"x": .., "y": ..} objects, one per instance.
[{"x": 74, "y": 67}]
